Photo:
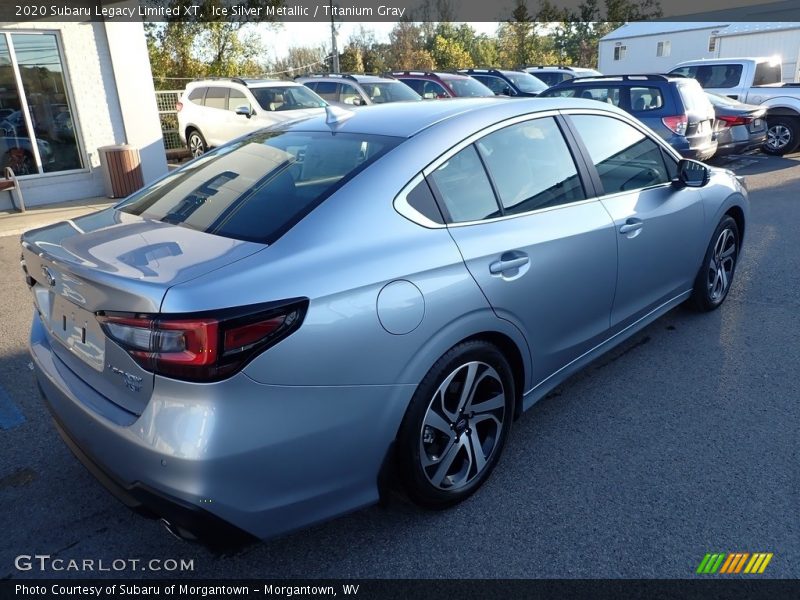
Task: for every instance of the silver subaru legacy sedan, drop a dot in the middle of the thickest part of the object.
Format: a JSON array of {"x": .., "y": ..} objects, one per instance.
[{"x": 270, "y": 335}]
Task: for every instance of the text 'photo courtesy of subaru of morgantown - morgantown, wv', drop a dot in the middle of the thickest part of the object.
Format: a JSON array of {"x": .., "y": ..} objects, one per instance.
[{"x": 366, "y": 298}]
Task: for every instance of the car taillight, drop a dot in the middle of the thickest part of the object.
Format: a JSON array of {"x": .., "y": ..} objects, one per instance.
[
  {"x": 730, "y": 121},
  {"x": 178, "y": 106},
  {"x": 204, "y": 346},
  {"x": 676, "y": 124}
]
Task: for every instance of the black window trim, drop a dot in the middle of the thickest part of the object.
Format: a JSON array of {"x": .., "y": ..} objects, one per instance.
[{"x": 666, "y": 151}]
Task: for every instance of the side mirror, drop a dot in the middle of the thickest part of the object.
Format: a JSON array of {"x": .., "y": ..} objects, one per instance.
[
  {"x": 244, "y": 111},
  {"x": 429, "y": 95},
  {"x": 692, "y": 173},
  {"x": 507, "y": 91}
]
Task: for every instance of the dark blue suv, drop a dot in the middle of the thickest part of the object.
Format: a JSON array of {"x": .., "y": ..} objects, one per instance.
[{"x": 676, "y": 108}]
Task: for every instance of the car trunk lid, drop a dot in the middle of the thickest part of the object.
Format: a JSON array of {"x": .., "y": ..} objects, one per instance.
[{"x": 111, "y": 261}]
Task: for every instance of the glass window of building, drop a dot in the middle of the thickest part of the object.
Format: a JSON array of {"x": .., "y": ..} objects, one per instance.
[{"x": 37, "y": 132}]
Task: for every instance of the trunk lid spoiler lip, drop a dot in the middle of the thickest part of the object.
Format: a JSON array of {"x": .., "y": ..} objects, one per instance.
[{"x": 121, "y": 272}]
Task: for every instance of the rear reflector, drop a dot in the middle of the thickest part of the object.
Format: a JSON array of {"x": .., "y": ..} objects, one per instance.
[
  {"x": 202, "y": 347},
  {"x": 676, "y": 124}
]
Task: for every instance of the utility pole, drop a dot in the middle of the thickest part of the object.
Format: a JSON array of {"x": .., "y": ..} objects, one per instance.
[{"x": 334, "y": 50}]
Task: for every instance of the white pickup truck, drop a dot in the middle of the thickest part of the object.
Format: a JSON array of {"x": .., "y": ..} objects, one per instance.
[{"x": 754, "y": 81}]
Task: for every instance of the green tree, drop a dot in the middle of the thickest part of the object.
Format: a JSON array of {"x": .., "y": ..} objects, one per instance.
[
  {"x": 449, "y": 54},
  {"x": 351, "y": 60},
  {"x": 181, "y": 49},
  {"x": 521, "y": 40},
  {"x": 577, "y": 34},
  {"x": 407, "y": 50},
  {"x": 374, "y": 56}
]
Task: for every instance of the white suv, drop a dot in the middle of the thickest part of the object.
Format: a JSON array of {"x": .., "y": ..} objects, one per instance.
[{"x": 214, "y": 111}]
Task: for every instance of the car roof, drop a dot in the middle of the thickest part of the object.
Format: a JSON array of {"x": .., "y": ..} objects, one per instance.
[
  {"x": 428, "y": 75},
  {"x": 725, "y": 61},
  {"x": 629, "y": 79},
  {"x": 490, "y": 71},
  {"x": 357, "y": 77},
  {"x": 249, "y": 83},
  {"x": 406, "y": 119}
]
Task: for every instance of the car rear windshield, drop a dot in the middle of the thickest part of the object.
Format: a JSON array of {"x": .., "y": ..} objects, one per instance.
[
  {"x": 257, "y": 188},
  {"x": 286, "y": 97},
  {"x": 389, "y": 91},
  {"x": 468, "y": 87},
  {"x": 694, "y": 99},
  {"x": 527, "y": 83}
]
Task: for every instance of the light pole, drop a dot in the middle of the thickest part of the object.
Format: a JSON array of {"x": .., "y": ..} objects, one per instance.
[{"x": 334, "y": 50}]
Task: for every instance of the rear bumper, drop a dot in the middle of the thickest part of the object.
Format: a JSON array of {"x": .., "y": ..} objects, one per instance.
[
  {"x": 232, "y": 458},
  {"x": 190, "y": 522},
  {"x": 700, "y": 153},
  {"x": 739, "y": 140}
]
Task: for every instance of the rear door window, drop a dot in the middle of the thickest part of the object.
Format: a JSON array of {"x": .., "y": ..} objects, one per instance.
[
  {"x": 645, "y": 99},
  {"x": 349, "y": 94},
  {"x": 531, "y": 166},
  {"x": 217, "y": 97},
  {"x": 625, "y": 158},
  {"x": 607, "y": 94},
  {"x": 257, "y": 188},
  {"x": 415, "y": 84},
  {"x": 464, "y": 188},
  {"x": 497, "y": 85},
  {"x": 237, "y": 99},
  {"x": 431, "y": 89},
  {"x": 327, "y": 90},
  {"x": 767, "y": 73}
]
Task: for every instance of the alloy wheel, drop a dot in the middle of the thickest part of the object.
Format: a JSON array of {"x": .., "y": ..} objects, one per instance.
[
  {"x": 196, "y": 145},
  {"x": 721, "y": 265},
  {"x": 778, "y": 137},
  {"x": 462, "y": 426}
]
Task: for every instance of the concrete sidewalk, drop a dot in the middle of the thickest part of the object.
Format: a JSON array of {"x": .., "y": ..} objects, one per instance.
[{"x": 15, "y": 223}]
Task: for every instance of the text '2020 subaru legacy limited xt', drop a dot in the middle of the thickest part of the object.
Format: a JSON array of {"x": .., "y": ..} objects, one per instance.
[{"x": 239, "y": 345}]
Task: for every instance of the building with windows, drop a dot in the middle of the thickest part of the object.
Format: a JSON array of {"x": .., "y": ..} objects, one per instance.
[
  {"x": 67, "y": 89},
  {"x": 657, "y": 46}
]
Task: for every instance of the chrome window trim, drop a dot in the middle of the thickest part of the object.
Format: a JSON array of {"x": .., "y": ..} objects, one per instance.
[
  {"x": 453, "y": 150},
  {"x": 525, "y": 214},
  {"x": 402, "y": 206}
]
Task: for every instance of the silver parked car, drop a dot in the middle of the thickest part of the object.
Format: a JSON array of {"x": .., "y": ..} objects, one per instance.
[{"x": 251, "y": 343}]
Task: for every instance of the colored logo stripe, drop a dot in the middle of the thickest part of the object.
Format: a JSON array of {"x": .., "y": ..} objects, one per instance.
[
  {"x": 758, "y": 563},
  {"x": 710, "y": 564},
  {"x": 734, "y": 562}
]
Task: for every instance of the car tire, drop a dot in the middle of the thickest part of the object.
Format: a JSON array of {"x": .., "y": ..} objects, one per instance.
[
  {"x": 456, "y": 425},
  {"x": 196, "y": 143},
  {"x": 783, "y": 135},
  {"x": 715, "y": 277}
]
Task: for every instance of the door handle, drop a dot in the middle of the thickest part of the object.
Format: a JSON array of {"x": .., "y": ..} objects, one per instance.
[
  {"x": 631, "y": 225},
  {"x": 501, "y": 265}
]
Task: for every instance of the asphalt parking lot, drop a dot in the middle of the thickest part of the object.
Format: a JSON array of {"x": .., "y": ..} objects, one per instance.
[{"x": 682, "y": 441}]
